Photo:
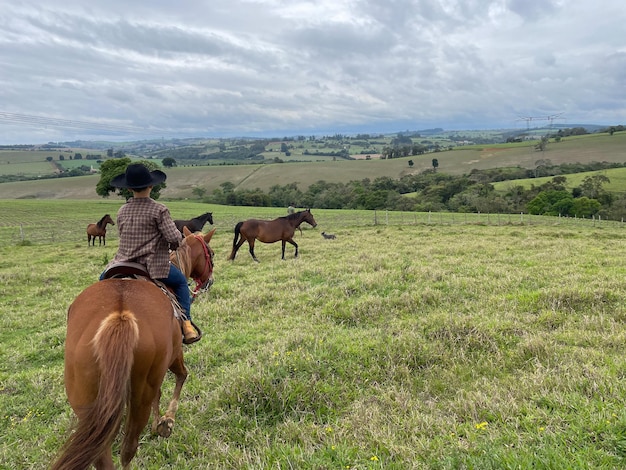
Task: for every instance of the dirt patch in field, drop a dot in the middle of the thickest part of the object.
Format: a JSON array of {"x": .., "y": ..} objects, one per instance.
[
  {"x": 364, "y": 157},
  {"x": 490, "y": 151}
]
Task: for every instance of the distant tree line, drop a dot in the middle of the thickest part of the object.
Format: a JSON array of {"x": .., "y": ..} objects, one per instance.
[{"x": 434, "y": 191}]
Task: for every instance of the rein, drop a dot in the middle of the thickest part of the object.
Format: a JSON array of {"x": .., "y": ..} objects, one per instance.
[{"x": 202, "y": 287}]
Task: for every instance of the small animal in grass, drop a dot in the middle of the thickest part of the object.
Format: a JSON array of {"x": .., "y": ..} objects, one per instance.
[{"x": 328, "y": 236}]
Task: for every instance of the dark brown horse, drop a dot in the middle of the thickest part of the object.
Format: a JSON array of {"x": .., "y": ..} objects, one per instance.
[
  {"x": 196, "y": 224},
  {"x": 122, "y": 337},
  {"x": 270, "y": 231},
  {"x": 99, "y": 230}
]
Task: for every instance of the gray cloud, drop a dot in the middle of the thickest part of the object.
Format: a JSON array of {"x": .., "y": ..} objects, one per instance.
[{"x": 277, "y": 67}]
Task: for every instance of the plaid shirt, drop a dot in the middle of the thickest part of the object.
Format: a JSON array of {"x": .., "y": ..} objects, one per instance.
[{"x": 146, "y": 229}]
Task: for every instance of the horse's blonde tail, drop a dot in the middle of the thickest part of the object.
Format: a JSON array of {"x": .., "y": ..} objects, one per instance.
[{"x": 113, "y": 345}]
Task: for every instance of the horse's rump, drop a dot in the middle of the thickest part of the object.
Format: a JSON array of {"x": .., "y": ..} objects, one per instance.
[{"x": 121, "y": 334}]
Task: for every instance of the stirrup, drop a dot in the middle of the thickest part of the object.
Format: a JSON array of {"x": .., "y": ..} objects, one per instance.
[{"x": 197, "y": 338}]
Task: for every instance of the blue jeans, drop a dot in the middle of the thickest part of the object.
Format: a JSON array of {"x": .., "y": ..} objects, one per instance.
[{"x": 178, "y": 282}]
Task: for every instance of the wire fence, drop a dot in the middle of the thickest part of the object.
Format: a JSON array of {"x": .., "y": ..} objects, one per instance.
[{"x": 56, "y": 231}]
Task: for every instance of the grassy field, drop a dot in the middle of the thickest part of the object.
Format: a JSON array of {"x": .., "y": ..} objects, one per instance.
[
  {"x": 617, "y": 177},
  {"x": 391, "y": 347},
  {"x": 461, "y": 160}
]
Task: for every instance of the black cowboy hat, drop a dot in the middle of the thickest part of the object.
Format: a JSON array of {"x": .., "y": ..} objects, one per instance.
[{"x": 138, "y": 176}]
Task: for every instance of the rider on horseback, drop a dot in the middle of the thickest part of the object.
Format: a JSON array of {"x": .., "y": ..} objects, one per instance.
[{"x": 147, "y": 232}]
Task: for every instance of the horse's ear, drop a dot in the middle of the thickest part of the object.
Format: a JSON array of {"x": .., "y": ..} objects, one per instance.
[
  {"x": 186, "y": 231},
  {"x": 208, "y": 236}
]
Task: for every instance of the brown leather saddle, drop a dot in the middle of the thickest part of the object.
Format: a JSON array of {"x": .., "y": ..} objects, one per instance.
[{"x": 131, "y": 270}]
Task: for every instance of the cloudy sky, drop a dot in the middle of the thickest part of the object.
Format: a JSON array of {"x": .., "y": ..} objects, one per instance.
[{"x": 216, "y": 68}]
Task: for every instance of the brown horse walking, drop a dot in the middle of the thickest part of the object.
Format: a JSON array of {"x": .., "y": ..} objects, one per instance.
[
  {"x": 122, "y": 337},
  {"x": 270, "y": 231},
  {"x": 99, "y": 230}
]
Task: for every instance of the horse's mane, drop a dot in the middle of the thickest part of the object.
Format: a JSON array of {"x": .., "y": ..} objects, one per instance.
[
  {"x": 295, "y": 215},
  {"x": 181, "y": 258},
  {"x": 101, "y": 221}
]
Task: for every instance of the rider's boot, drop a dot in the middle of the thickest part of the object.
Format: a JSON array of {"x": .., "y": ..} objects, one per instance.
[{"x": 190, "y": 335}]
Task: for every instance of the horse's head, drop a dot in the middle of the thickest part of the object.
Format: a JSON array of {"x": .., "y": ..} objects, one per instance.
[
  {"x": 308, "y": 218},
  {"x": 108, "y": 220},
  {"x": 208, "y": 217},
  {"x": 199, "y": 263}
]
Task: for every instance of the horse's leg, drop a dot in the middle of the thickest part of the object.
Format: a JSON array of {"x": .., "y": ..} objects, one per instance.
[
  {"x": 294, "y": 244},
  {"x": 283, "y": 242},
  {"x": 145, "y": 389},
  {"x": 251, "y": 248},
  {"x": 105, "y": 461},
  {"x": 166, "y": 423},
  {"x": 236, "y": 248},
  {"x": 104, "y": 240},
  {"x": 156, "y": 412},
  {"x": 137, "y": 417}
]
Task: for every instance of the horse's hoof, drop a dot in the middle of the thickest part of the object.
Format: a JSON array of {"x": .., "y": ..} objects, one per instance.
[{"x": 165, "y": 426}]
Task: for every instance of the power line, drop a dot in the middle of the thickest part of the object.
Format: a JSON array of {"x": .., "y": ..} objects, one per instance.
[
  {"x": 550, "y": 118},
  {"x": 44, "y": 122}
]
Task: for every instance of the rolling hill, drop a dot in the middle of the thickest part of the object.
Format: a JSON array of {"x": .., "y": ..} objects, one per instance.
[{"x": 460, "y": 160}]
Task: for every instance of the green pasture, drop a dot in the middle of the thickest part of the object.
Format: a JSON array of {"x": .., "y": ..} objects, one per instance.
[
  {"x": 41, "y": 168},
  {"x": 617, "y": 177},
  {"x": 405, "y": 344},
  {"x": 30, "y": 156},
  {"x": 583, "y": 149},
  {"x": 27, "y": 156}
]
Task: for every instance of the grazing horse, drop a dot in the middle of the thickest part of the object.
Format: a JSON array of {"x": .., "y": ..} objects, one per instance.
[
  {"x": 122, "y": 337},
  {"x": 99, "y": 230},
  {"x": 196, "y": 224},
  {"x": 270, "y": 231}
]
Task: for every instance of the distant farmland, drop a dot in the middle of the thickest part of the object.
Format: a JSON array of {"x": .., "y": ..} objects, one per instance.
[{"x": 461, "y": 160}]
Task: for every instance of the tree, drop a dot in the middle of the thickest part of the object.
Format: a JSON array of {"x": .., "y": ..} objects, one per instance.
[
  {"x": 552, "y": 202},
  {"x": 540, "y": 167},
  {"x": 543, "y": 143},
  {"x": 198, "y": 192},
  {"x": 168, "y": 162},
  {"x": 591, "y": 186},
  {"x": 435, "y": 164},
  {"x": 585, "y": 207},
  {"x": 114, "y": 167}
]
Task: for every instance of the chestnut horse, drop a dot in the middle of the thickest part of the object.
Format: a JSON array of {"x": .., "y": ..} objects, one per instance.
[
  {"x": 196, "y": 224},
  {"x": 122, "y": 337},
  {"x": 99, "y": 230},
  {"x": 270, "y": 231}
]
